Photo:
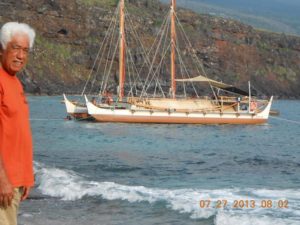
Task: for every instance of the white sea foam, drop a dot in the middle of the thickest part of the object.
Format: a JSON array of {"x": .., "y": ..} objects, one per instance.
[
  {"x": 244, "y": 219},
  {"x": 288, "y": 193},
  {"x": 70, "y": 186}
]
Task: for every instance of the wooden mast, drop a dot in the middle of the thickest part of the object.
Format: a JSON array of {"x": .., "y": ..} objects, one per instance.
[
  {"x": 122, "y": 51},
  {"x": 173, "y": 49}
]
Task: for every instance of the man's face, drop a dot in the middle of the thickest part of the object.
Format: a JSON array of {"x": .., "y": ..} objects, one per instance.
[{"x": 14, "y": 57}]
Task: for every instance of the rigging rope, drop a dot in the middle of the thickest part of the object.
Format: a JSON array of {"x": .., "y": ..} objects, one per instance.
[
  {"x": 44, "y": 119},
  {"x": 159, "y": 65},
  {"x": 287, "y": 120},
  {"x": 196, "y": 57},
  {"x": 155, "y": 55},
  {"x": 105, "y": 72},
  {"x": 146, "y": 60},
  {"x": 180, "y": 59},
  {"x": 89, "y": 76},
  {"x": 111, "y": 64}
]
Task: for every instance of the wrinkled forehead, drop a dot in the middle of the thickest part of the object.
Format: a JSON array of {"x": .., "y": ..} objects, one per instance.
[{"x": 20, "y": 39}]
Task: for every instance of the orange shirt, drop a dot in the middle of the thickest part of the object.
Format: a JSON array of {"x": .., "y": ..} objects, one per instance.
[{"x": 15, "y": 132}]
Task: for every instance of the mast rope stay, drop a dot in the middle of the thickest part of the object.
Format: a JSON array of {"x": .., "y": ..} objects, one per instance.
[
  {"x": 146, "y": 85},
  {"x": 286, "y": 120},
  {"x": 166, "y": 46},
  {"x": 146, "y": 54},
  {"x": 198, "y": 62},
  {"x": 97, "y": 56},
  {"x": 107, "y": 70}
]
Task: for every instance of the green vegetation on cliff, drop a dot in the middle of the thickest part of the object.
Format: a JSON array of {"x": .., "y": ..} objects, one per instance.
[
  {"x": 108, "y": 3},
  {"x": 70, "y": 33}
]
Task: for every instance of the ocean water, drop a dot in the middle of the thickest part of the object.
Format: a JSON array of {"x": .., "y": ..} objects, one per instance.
[{"x": 104, "y": 173}]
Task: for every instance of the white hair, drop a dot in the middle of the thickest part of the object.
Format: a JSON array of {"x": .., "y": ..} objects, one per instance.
[{"x": 10, "y": 29}]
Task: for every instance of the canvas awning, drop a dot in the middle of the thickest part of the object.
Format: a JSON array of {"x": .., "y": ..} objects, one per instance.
[{"x": 214, "y": 83}]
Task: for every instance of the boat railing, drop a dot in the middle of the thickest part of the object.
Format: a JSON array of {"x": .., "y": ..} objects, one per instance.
[{"x": 222, "y": 104}]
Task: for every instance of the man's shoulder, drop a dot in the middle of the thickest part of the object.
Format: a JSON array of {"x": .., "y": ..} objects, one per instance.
[
  {"x": 2, "y": 80},
  {"x": 2, "y": 74}
]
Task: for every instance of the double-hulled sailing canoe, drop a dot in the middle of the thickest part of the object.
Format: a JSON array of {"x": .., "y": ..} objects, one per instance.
[
  {"x": 178, "y": 109},
  {"x": 241, "y": 108}
]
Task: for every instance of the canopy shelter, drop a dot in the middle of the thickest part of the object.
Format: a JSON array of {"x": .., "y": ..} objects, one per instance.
[{"x": 214, "y": 83}]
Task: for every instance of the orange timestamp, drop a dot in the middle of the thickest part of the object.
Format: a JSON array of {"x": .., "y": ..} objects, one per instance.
[{"x": 244, "y": 204}]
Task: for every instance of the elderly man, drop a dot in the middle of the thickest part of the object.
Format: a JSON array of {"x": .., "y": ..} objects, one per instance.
[{"x": 16, "y": 170}]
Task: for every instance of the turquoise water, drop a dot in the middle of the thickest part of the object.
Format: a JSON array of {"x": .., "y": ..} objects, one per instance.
[{"x": 103, "y": 173}]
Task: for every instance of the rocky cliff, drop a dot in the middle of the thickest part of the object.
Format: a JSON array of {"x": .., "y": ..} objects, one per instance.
[{"x": 70, "y": 32}]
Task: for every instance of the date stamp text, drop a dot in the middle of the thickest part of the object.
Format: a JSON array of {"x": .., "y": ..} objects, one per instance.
[{"x": 244, "y": 204}]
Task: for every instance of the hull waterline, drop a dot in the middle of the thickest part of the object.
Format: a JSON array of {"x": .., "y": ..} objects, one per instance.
[{"x": 167, "y": 117}]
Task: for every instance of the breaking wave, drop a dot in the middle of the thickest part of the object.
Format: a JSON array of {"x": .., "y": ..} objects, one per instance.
[{"x": 69, "y": 186}]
